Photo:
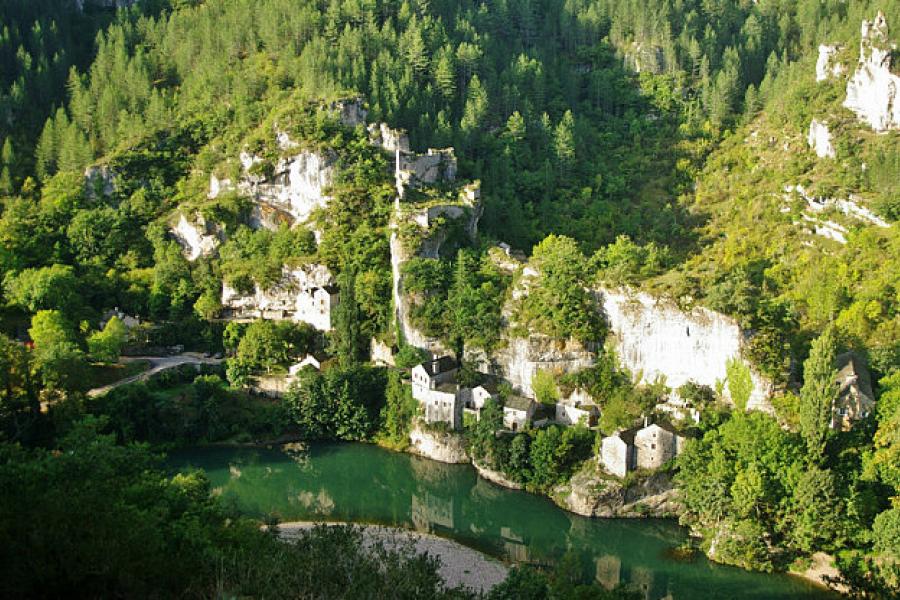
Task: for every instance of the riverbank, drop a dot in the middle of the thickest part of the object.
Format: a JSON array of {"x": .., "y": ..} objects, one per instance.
[{"x": 459, "y": 565}]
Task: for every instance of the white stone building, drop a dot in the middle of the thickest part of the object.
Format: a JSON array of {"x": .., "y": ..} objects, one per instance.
[
  {"x": 577, "y": 407},
  {"x": 518, "y": 412}
]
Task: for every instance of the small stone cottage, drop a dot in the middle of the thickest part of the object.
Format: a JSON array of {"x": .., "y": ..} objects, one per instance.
[
  {"x": 855, "y": 399},
  {"x": 518, "y": 412}
]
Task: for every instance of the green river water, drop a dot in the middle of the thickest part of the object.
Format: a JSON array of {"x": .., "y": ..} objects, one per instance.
[{"x": 365, "y": 484}]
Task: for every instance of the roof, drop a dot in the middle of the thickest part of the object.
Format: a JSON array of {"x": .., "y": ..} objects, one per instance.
[
  {"x": 448, "y": 388},
  {"x": 518, "y": 403},
  {"x": 439, "y": 365},
  {"x": 489, "y": 384},
  {"x": 852, "y": 369},
  {"x": 319, "y": 356},
  {"x": 626, "y": 435},
  {"x": 332, "y": 290}
]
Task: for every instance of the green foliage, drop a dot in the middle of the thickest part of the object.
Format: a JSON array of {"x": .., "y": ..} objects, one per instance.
[
  {"x": 544, "y": 385},
  {"x": 266, "y": 344},
  {"x": 409, "y": 356},
  {"x": 558, "y": 304},
  {"x": 179, "y": 539},
  {"x": 60, "y": 361},
  {"x": 340, "y": 403},
  {"x": 48, "y": 288},
  {"x": 886, "y": 457},
  {"x": 818, "y": 394},
  {"x": 625, "y": 262},
  {"x": 106, "y": 345},
  {"x": 257, "y": 256},
  {"x": 740, "y": 383},
  {"x": 398, "y": 412}
]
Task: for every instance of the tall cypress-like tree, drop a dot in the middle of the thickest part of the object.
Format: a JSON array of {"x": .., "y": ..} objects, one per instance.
[
  {"x": 346, "y": 339},
  {"x": 818, "y": 395}
]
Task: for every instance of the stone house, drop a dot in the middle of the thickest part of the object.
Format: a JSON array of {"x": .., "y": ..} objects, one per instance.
[
  {"x": 444, "y": 403},
  {"x": 656, "y": 445},
  {"x": 518, "y": 412},
  {"x": 617, "y": 452},
  {"x": 855, "y": 399},
  {"x": 431, "y": 373},
  {"x": 316, "y": 305},
  {"x": 647, "y": 447},
  {"x": 434, "y": 388},
  {"x": 577, "y": 407}
]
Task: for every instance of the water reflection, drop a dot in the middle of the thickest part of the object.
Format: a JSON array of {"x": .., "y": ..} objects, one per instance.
[{"x": 365, "y": 484}]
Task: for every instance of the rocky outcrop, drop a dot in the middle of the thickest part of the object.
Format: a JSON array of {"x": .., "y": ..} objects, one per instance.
[
  {"x": 645, "y": 57},
  {"x": 873, "y": 91},
  {"x": 518, "y": 359},
  {"x": 819, "y": 139},
  {"x": 196, "y": 237},
  {"x": 99, "y": 180},
  {"x": 655, "y": 338},
  {"x": 290, "y": 193},
  {"x": 80, "y": 4},
  {"x": 850, "y": 207},
  {"x": 826, "y": 66},
  {"x": 446, "y": 447},
  {"x": 303, "y": 294},
  {"x": 417, "y": 231},
  {"x": 496, "y": 477},
  {"x": 592, "y": 493}
]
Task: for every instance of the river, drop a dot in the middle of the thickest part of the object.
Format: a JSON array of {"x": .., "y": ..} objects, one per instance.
[{"x": 365, "y": 484}]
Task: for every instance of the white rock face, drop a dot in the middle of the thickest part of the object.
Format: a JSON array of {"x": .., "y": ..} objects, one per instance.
[
  {"x": 197, "y": 238},
  {"x": 850, "y": 207},
  {"x": 305, "y": 294},
  {"x": 655, "y": 338},
  {"x": 521, "y": 358},
  {"x": 296, "y": 188},
  {"x": 819, "y": 139},
  {"x": 825, "y": 65},
  {"x": 873, "y": 92}
]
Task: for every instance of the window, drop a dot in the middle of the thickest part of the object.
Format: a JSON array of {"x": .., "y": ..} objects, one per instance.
[{"x": 653, "y": 446}]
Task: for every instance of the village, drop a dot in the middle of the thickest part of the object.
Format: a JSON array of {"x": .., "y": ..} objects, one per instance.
[{"x": 652, "y": 442}]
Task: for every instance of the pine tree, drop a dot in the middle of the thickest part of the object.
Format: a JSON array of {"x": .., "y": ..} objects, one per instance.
[{"x": 818, "y": 394}]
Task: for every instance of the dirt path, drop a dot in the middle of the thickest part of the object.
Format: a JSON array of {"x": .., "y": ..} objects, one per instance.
[{"x": 157, "y": 364}]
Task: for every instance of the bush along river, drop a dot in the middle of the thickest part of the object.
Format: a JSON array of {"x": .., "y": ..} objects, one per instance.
[{"x": 361, "y": 483}]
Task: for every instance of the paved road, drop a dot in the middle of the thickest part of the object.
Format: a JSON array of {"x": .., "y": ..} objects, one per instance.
[{"x": 157, "y": 364}]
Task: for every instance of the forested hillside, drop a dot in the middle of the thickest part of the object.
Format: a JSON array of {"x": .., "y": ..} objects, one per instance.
[{"x": 675, "y": 148}]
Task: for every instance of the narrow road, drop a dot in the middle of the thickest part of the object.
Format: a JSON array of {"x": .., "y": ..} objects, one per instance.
[{"x": 157, "y": 364}]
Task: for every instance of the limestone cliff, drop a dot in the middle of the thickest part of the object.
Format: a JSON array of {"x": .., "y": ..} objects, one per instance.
[
  {"x": 196, "y": 236},
  {"x": 819, "y": 139},
  {"x": 654, "y": 338},
  {"x": 518, "y": 359},
  {"x": 873, "y": 91},
  {"x": 289, "y": 194},
  {"x": 303, "y": 294},
  {"x": 421, "y": 230},
  {"x": 826, "y": 66}
]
